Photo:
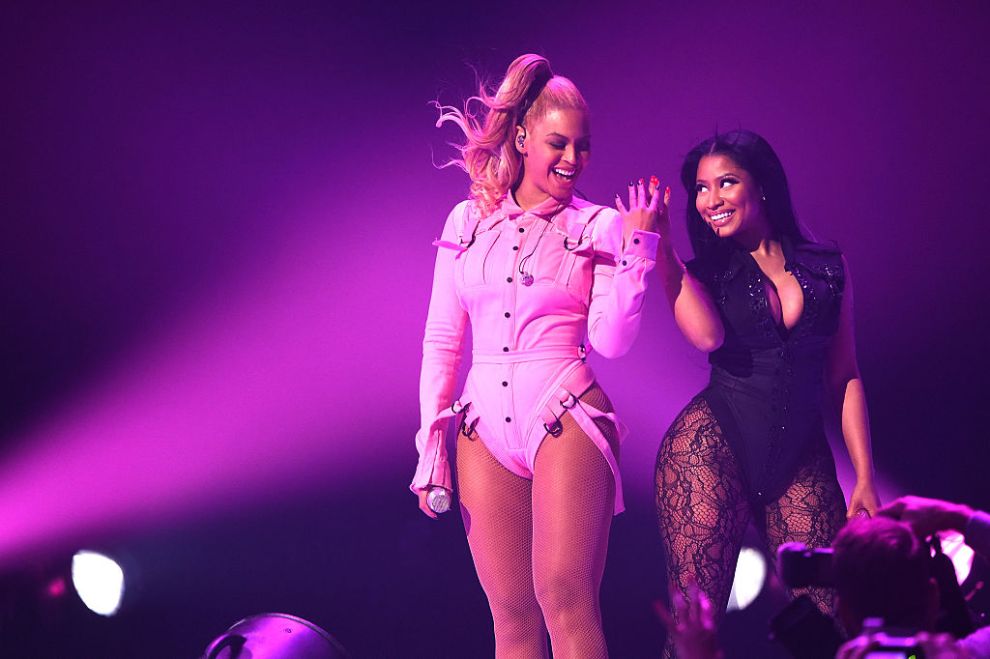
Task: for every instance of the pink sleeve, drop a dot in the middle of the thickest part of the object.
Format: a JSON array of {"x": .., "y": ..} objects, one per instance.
[
  {"x": 442, "y": 343},
  {"x": 619, "y": 284}
]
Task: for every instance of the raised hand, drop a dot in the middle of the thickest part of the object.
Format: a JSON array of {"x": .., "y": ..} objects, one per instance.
[
  {"x": 693, "y": 633},
  {"x": 645, "y": 211}
]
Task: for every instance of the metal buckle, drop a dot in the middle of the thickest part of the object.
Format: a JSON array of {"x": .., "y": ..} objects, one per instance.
[
  {"x": 572, "y": 399},
  {"x": 555, "y": 429},
  {"x": 457, "y": 408}
]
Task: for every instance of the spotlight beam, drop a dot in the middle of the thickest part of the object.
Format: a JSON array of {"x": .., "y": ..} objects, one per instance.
[{"x": 266, "y": 389}]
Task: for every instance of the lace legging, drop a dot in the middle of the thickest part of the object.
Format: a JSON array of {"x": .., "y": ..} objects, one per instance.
[{"x": 703, "y": 508}]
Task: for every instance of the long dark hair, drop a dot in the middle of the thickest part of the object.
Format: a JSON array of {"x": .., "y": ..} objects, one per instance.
[{"x": 755, "y": 155}]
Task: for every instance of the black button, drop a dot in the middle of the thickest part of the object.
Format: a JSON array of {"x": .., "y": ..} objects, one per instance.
[
  {"x": 623, "y": 261},
  {"x": 508, "y": 419},
  {"x": 508, "y": 279},
  {"x": 521, "y": 230},
  {"x": 505, "y": 349},
  {"x": 515, "y": 248},
  {"x": 504, "y": 383},
  {"x": 635, "y": 241},
  {"x": 507, "y": 314}
]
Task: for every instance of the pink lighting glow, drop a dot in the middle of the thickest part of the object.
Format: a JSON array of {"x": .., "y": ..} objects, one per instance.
[{"x": 249, "y": 397}]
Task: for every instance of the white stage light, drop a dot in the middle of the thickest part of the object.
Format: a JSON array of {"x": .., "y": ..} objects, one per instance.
[
  {"x": 751, "y": 572},
  {"x": 99, "y": 581},
  {"x": 954, "y": 546}
]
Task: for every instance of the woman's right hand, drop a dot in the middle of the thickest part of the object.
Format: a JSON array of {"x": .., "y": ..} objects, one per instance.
[{"x": 425, "y": 507}]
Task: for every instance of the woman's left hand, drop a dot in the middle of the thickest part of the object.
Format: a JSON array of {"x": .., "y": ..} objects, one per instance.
[
  {"x": 645, "y": 211},
  {"x": 863, "y": 497}
]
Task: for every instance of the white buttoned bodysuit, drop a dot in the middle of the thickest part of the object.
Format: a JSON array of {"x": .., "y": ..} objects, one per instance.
[{"x": 535, "y": 285}]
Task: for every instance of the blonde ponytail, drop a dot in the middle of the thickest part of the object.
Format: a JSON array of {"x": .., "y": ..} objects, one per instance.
[{"x": 528, "y": 91}]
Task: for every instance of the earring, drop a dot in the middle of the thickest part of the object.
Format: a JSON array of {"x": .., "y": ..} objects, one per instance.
[
  {"x": 520, "y": 141},
  {"x": 764, "y": 197}
]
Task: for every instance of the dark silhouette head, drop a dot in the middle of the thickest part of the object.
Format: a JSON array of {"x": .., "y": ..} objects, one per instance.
[{"x": 883, "y": 570}]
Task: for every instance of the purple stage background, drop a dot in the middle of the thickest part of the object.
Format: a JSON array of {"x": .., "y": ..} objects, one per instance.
[{"x": 216, "y": 233}]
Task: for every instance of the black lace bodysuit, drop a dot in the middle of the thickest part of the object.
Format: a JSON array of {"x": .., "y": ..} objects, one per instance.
[
  {"x": 751, "y": 445},
  {"x": 767, "y": 382}
]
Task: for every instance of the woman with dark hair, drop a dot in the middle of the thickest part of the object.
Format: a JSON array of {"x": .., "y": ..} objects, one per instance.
[
  {"x": 537, "y": 272},
  {"x": 774, "y": 311}
]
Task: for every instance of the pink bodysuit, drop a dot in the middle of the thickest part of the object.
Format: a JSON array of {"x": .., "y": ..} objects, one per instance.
[{"x": 535, "y": 284}]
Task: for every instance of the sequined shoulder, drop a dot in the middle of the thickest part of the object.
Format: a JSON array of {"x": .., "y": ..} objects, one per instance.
[{"x": 825, "y": 261}]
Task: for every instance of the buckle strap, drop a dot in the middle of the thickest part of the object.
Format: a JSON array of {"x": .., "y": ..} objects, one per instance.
[
  {"x": 468, "y": 420},
  {"x": 551, "y": 419}
]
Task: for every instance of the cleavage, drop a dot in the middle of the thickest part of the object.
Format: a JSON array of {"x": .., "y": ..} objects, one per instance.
[{"x": 785, "y": 299}]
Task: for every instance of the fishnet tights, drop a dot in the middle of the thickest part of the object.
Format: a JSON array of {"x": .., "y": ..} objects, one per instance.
[
  {"x": 539, "y": 546},
  {"x": 703, "y": 508}
]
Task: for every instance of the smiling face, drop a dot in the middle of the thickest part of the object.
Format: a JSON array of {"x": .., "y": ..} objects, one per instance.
[
  {"x": 555, "y": 150},
  {"x": 729, "y": 199}
]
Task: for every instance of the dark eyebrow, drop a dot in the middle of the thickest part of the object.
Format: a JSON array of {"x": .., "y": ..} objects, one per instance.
[
  {"x": 564, "y": 137},
  {"x": 721, "y": 176}
]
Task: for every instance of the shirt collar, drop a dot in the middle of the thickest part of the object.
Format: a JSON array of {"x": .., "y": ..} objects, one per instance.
[{"x": 545, "y": 209}]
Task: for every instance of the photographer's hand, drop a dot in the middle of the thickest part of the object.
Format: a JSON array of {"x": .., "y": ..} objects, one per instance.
[
  {"x": 927, "y": 516},
  {"x": 693, "y": 632},
  {"x": 934, "y": 646}
]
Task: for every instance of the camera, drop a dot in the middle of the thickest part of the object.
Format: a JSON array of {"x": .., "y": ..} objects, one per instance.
[
  {"x": 890, "y": 645},
  {"x": 801, "y": 566},
  {"x": 895, "y": 647}
]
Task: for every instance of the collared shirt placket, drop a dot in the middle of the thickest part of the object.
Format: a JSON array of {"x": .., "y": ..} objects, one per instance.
[{"x": 517, "y": 240}]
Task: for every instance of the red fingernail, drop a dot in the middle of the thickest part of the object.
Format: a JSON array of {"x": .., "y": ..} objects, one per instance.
[
  {"x": 654, "y": 181},
  {"x": 641, "y": 181},
  {"x": 668, "y": 190}
]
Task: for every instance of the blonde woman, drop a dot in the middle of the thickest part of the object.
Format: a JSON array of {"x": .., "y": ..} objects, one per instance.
[{"x": 542, "y": 277}]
